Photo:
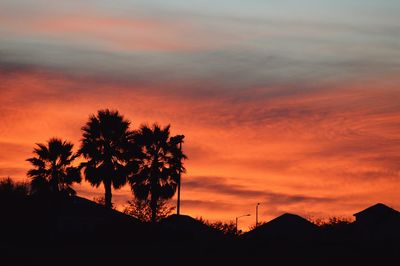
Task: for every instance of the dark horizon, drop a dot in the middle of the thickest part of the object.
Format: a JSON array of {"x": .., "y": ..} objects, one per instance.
[{"x": 40, "y": 229}]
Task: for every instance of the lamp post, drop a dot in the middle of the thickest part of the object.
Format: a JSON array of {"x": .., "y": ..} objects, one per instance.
[
  {"x": 178, "y": 205},
  {"x": 237, "y": 218},
  {"x": 258, "y": 204}
]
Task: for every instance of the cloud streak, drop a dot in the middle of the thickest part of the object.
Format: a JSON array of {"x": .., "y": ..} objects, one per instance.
[{"x": 220, "y": 185}]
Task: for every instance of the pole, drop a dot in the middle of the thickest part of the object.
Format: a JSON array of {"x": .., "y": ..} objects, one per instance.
[
  {"x": 236, "y": 225},
  {"x": 257, "y": 214},
  {"x": 178, "y": 205}
]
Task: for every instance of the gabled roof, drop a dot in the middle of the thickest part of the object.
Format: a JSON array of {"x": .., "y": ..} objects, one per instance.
[
  {"x": 186, "y": 227},
  {"x": 88, "y": 216},
  {"x": 378, "y": 210},
  {"x": 79, "y": 207},
  {"x": 286, "y": 225},
  {"x": 289, "y": 221}
]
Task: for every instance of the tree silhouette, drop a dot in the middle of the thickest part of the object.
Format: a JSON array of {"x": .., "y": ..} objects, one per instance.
[
  {"x": 53, "y": 170},
  {"x": 226, "y": 228},
  {"x": 108, "y": 146},
  {"x": 159, "y": 167},
  {"x": 11, "y": 189},
  {"x": 140, "y": 209}
]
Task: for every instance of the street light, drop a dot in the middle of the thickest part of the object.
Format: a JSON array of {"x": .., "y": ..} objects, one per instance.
[
  {"x": 257, "y": 214},
  {"x": 237, "y": 218}
]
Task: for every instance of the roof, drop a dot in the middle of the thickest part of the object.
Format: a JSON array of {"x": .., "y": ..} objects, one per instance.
[
  {"x": 79, "y": 208},
  {"x": 286, "y": 225},
  {"x": 185, "y": 226},
  {"x": 378, "y": 210}
]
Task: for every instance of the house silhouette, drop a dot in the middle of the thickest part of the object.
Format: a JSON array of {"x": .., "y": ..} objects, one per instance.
[
  {"x": 375, "y": 214},
  {"x": 287, "y": 227},
  {"x": 186, "y": 228},
  {"x": 81, "y": 218},
  {"x": 378, "y": 222}
]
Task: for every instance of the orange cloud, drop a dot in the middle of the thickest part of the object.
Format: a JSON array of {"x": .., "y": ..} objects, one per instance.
[{"x": 317, "y": 153}]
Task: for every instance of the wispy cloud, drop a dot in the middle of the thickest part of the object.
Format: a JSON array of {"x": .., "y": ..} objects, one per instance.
[{"x": 222, "y": 185}]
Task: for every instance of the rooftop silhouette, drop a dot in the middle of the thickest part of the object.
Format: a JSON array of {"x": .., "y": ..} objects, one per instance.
[
  {"x": 376, "y": 212},
  {"x": 32, "y": 223},
  {"x": 285, "y": 227}
]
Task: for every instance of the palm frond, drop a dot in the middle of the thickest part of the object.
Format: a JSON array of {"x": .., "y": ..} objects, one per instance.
[{"x": 52, "y": 168}]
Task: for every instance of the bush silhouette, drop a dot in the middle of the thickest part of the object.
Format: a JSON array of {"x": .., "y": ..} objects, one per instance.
[
  {"x": 141, "y": 210},
  {"x": 9, "y": 189}
]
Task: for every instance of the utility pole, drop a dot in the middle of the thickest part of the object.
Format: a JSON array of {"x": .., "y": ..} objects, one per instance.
[
  {"x": 178, "y": 205},
  {"x": 257, "y": 214}
]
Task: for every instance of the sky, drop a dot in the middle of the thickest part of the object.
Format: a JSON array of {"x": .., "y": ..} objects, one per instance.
[{"x": 294, "y": 104}]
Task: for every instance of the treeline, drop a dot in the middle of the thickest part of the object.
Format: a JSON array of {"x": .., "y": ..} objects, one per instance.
[{"x": 112, "y": 154}]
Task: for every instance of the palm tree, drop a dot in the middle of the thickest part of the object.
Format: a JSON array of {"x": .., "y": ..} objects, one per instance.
[
  {"x": 53, "y": 170},
  {"x": 108, "y": 148},
  {"x": 159, "y": 167}
]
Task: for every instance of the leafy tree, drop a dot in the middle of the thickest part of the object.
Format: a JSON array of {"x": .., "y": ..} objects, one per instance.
[
  {"x": 140, "y": 209},
  {"x": 227, "y": 228},
  {"x": 109, "y": 150},
  {"x": 159, "y": 167},
  {"x": 53, "y": 170},
  {"x": 11, "y": 189},
  {"x": 331, "y": 222}
]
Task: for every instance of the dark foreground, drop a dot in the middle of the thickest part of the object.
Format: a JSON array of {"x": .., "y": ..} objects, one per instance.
[
  {"x": 79, "y": 232},
  {"x": 123, "y": 253}
]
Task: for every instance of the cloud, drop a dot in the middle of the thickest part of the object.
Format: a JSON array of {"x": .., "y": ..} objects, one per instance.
[
  {"x": 16, "y": 173},
  {"x": 193, "y": 52},
  {"x": 201, "y": 205},
  {"x": 221, "y": 185}
]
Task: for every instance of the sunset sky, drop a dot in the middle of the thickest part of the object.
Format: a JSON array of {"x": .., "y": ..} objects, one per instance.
[{"x": 294, "y": 104}]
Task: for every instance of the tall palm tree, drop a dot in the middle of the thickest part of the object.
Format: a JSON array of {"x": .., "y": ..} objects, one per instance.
[
  {"x": 159, "y": 167},
  {"x": 53, "y": 170},
  {"x": 108, "y": 148}
]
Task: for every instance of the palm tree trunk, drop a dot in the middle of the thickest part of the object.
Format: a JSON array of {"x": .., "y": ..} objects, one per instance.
[
  {"x": 54, "y": 185},
  {"x": 54, "y": 179},
  {"x": 153, "y": 206},
  {"x": 154, "y": 195},
  {"x": 108, "y": 194}
]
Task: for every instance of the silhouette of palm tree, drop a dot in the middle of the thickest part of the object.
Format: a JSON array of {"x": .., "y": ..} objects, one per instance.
[
  {"x": 159, "y": 166},
  {"x": 53, "y": 170},
  {"x": 108, "y": 147}
]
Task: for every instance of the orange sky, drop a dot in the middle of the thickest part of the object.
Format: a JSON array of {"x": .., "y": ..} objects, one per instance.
[
  {"x": 293, "y": 106},
  {"x": 318, "y": 154}
]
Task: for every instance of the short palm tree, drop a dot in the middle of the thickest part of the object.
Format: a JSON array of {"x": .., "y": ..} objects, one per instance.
[
  {"x": 53, "y": 170},
  {"x": 108, "y": 148},
  {"x": 159, "y": 167}
]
